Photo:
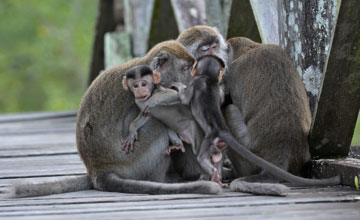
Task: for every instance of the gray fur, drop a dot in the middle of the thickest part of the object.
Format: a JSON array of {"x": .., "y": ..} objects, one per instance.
[
  {"x": 259, "y": 188},
  {"x": 69, "y": 184}
]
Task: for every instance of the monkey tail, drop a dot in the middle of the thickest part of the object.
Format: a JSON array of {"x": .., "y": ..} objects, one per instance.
[
  {"x": 69, "y": 184},
  {"x": 113, "y": 183},
  {"x": 271, "y": 168},
  {"x": 259, "y": 188}
]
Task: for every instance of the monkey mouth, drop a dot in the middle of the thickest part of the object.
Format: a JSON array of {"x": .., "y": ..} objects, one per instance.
[{"x": 143, "y": 98}]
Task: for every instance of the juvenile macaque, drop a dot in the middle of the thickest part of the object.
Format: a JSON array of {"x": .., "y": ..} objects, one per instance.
[
  {"x": 203, "y": 95},
  {"x": 163, "y": 104}
]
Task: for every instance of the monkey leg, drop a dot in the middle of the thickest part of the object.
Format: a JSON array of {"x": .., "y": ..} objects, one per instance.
[
  {"x": 238, "y": 128},
  {"x": 205, "y": 156},
  {"x": 185, "y": 164},
  {"x": 236, "y": 123},
  {"x": 177, "y": 144}
]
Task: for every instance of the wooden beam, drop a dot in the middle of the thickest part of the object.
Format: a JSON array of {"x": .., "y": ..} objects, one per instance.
[
  {"x": 305, "y": 29},
  {"x": 105, "y": 22},
  {"x": 339, "y": 101},
  {"x": 242, "y": 21},
  {"x": 189, "y": 13},
  {"x": 266, "y": 16},
  {"x": 138, "y": 21},
  {"x": 163, "y": 23}
]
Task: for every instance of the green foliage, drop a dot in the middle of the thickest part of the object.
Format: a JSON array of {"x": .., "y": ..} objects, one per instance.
[
  {"x": 45, "y": 49},
  {"x": 356, "y": 137}
]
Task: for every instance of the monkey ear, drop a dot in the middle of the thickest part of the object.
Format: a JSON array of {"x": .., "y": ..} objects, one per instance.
[
  {"x": 221, "y": 73},
  {"x": 194, "y": 71},
  {"x": 124, "y": 82},
  {"x": 156, "y": 76},
  {"x": 160, "y": 61}
]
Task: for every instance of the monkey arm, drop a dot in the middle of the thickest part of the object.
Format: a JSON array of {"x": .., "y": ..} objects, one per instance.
[
  {"x": 185, "y": 93},
  {"x": 165, "y": 97},
  {"x": 135, "y": 125}
]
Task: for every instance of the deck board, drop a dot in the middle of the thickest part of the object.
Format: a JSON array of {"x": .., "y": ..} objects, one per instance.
[{"x": 29, "y": 146}]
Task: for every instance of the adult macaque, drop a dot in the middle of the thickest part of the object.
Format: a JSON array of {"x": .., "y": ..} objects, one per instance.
[
  {"x": 270, "y": 113},
  {"x": 105, "y": 113}
]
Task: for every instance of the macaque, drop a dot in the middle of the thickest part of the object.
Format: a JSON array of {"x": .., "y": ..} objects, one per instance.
[
  {"x": 105, "y": 112},
  {"x": 203, "y": 96},
  {"x": 266, "y": 106}
]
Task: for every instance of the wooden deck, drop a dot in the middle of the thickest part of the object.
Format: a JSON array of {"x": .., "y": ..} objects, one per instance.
[{"x": 41, "y": 146}]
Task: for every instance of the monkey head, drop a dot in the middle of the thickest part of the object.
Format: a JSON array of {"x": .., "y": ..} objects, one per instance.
[
  {"x": 209, "y": 66},
  {"x": 141, "y": 81},
  {"x": 172, "y": 61},
  {"x": 204, "y": 40}
]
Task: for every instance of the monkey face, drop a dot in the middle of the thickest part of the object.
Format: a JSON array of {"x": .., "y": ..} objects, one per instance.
[
  {"x": 142, "y": 87},
  {"x": 209, "y": 49}
]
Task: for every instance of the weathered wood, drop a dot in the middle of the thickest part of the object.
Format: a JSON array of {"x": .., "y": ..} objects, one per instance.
[
  {"x": 163, "y": 23},
  {"x": 218, "y": 14},
  {"x": 224, "y": 206},
  {"x": 105, "y": 22},
  {"x": 35, "y": 116},
  {"x": 138, "y": 21},
  {"x": 266, "y": 16},
  {"x": 354, "y": 152},
  {"x": 189, "y": 13},
  {"x": 305, "y": 29},
  {"x": 339, "y": 101},
  {"x": 117, "y": 48},
  {"x": 290, "y": 211},
  {"x": 242, "y": 21},
  {"x": 346, "y": 168},
  {"x": 336, "y": 202}
]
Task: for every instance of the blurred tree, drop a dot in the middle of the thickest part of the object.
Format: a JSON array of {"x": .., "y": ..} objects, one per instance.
[{"x": 45, "y": 48}]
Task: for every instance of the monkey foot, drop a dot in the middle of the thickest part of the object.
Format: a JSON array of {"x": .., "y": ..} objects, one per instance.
[
  {"x": 174, "y": 148},
  {"x": 216, "y": 178}
]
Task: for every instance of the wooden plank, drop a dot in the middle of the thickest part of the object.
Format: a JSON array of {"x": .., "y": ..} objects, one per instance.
[
  {"x": 38, "y": 139},
  {"x": 38, "y": 150},
  {"x": 5, "y": 118},
  {"x": 339, "y": 101},
  {"x": 93, "y": 196},
  {"x": 183, "y": 204},
  {"x": 347, "y": 169},
  {"x": 293, "y": 211},
  {"x": 242, "y": 22},
  {"x": 163, "y": 23},
  {"x": 56, "y": 165}
]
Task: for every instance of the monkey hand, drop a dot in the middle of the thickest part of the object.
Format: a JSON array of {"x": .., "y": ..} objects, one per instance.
[
  {"x": 148, "y": 106},
  {"x": 178, "y": 86},
  {"x": 128, "y": 142}
]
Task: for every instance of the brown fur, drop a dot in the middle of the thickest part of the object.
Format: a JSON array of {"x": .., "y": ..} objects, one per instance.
[{"x": 269, "y": 93}]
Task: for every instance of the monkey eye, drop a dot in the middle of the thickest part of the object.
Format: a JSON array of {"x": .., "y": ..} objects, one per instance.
[
  {"x": 204, "y": 47},
  {"x": 213, "y": 45},
  {"x": 143, "y": 84},
  {"x": 136, "y": 85}
]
